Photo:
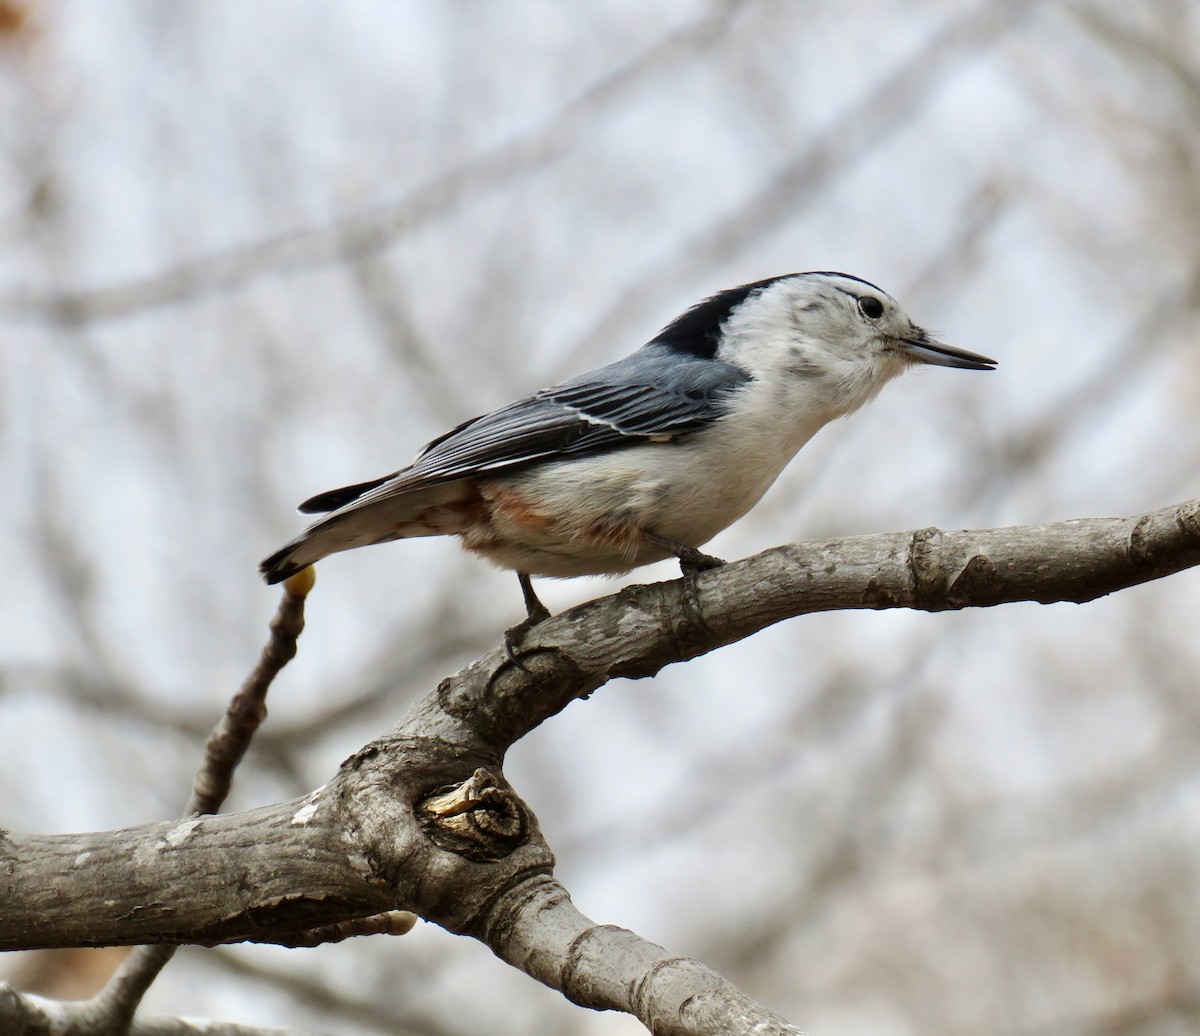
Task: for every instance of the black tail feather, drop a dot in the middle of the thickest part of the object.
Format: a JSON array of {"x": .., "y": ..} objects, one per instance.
[
  {"x": 279, "y": 566},
  {"x": 332, "y": 499}
]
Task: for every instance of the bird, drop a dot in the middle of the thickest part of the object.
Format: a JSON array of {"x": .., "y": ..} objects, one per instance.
[{"x": 645, "y": 458}]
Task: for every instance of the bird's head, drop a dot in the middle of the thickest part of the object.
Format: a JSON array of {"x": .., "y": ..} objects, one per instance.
[{"x": 838, "y": 337}]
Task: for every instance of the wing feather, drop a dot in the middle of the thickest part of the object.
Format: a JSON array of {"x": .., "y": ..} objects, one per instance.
[{"x": 647, "y": 395}]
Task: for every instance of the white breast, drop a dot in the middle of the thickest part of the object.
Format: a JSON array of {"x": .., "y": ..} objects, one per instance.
[{"x": 686, "y": 491}]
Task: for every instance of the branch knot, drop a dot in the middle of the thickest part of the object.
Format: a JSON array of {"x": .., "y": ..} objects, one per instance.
[
  {"x": 929, "y": 580},
  {"x": 478, "y": 818}
]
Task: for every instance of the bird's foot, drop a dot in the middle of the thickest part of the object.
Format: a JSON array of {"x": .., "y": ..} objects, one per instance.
[
  {"x": 515, "y": 634},
  {"x": 691, "y": 563},
  {"x": 691, "y": 568},
  {"x": 693, "y": 560},
  {"x": 535, "y": 612}
]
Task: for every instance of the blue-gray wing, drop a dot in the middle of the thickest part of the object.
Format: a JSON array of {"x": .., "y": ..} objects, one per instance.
[{"x": 653, "y": 395}]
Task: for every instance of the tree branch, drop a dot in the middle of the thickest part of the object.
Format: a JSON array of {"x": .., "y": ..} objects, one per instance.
[
  {"x": 423, "y": 819},
  {"x": 114, "y": 1007},
  {"x": 27, "y": 1015},
  {"x": 537, "y": 929},
  {"x": 638, "y": 631}
]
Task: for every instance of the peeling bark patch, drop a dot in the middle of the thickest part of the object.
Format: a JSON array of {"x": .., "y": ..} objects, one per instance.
[
  {"x": 179, "y": 834},
  {"x": 1141, "y": 543},
  {"x": 875, "y": 596},
  {"x": 1187, "y": 517},
  {"x": 928, "y": 577},
  {"x": 977, "y": 583},
  {"x": 306, "y": 812}
]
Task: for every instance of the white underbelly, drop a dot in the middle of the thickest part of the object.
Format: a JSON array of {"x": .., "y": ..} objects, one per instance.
[{"x": 684, "y": 491}]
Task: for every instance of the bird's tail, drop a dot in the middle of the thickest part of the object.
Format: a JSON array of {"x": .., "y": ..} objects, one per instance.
[
  {"x": 432, "y": 511},
  {"x": 284, "y": 563},
  {"x": 325, "y": 537},
  {"x": 342, "y": 530}
]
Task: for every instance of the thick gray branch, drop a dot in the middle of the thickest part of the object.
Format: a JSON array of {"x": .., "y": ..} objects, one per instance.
[
  {"x": 643, "y": 628},
  {"x": 201, "y": 879},
  {"x": 536, "y": 928},
  {"x": 422, "y": 819}
]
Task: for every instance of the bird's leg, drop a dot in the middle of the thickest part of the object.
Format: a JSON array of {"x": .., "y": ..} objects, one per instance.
[
  {"x": 691, "y": 562},
  {"x": 535, "y": 612},
  {"x": 689, "y": 557}
]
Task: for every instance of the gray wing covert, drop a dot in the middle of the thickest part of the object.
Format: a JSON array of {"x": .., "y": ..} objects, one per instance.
[{"x": 645, "y": 396}]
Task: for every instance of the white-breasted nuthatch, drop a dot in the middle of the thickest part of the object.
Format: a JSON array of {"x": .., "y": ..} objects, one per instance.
[{"x": 647, "y": 457}]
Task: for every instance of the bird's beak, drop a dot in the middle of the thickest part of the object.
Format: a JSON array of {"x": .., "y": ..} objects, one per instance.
[{"x": 922, "y": 348}]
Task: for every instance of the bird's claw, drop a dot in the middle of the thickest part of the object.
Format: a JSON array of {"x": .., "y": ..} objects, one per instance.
[
  {"x": 697, "y": 561},
  {"x": 515, "y": 634},
  {"x": 691, "y": 563}
]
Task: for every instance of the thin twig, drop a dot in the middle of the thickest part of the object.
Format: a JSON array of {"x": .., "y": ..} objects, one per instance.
[
  {"x": 231, "y": 737},
  {"x": 114, "y": 1006}
]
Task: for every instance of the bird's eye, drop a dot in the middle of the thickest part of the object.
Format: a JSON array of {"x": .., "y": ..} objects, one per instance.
[{"x": 870, "y": 308}]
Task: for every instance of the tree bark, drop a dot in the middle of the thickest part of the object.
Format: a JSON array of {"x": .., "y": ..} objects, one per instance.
[{"x": 422, "y": 819}]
